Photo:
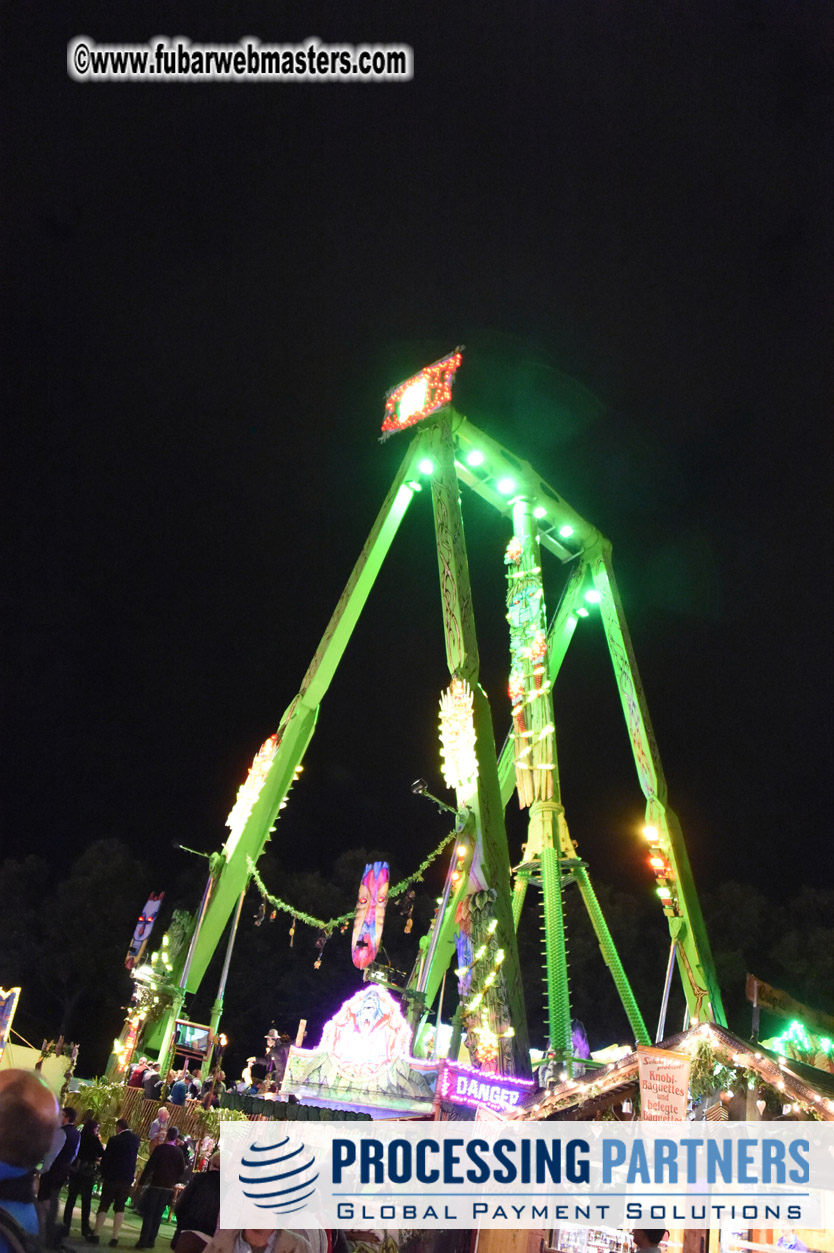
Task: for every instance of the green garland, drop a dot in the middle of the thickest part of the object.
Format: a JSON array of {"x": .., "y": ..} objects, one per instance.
[{"x": 332, "y": 923}]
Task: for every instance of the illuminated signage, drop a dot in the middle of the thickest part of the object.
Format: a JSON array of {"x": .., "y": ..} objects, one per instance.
[
  {"x": 421, "y": 395},
  {"x": 462, "y": 1085}
]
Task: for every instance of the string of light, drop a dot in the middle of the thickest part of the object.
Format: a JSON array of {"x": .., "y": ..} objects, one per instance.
[{"x": 332, "y": 923}]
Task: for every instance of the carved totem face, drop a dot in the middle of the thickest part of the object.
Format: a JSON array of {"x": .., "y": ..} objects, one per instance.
[{"x": 370, "y": 914}]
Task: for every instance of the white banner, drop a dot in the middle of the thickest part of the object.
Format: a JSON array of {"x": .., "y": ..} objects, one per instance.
[{"x": 524, "y": 1175}]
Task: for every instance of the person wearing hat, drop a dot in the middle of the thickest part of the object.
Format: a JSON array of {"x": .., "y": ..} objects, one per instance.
[{"x": 277, "y": 1052}]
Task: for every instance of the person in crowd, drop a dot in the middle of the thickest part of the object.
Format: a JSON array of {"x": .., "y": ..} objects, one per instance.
[
  {"x": 789, "y": 1239},
  {"x": 83, "y": 1174},
  {"x": 195, "y": 1088},
  {"x": 179, "y": 1088},
  {"x": 28, "y": 1120},
  {"x": 244, "y": 1084},
  {"x": 118, "y": 1167},
  {"x": 277, "y": 1052},
  {"x": 159, "y": 1129},
  {"x": 198, "y": 1210},
  {"x": 648, "y": 1239},
  {"x": 137, "y": 1073},
  {"x": 152, "y": 1082},
  {"x": 259, "y": 1241},
  {"x": 165, "y": 1167},
  {"x": 186, "y": 1146},
  {"x": 55, "y": 1176},
  {"x": 210, "y": 1099}
]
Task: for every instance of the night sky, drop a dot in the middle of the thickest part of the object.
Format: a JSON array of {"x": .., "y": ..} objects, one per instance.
[{"x": 623, "y": 212}]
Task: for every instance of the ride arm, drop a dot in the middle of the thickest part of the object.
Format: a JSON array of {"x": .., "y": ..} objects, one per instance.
[{"x": 299, "y": 721}]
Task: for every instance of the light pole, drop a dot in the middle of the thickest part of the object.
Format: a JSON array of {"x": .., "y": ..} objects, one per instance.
[{"x": 217, "y": 1007}]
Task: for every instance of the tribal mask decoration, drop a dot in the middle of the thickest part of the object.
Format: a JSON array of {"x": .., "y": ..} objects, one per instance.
[
  {"x": 370, "y": 914},
  {"x": 144, "y": 927}
]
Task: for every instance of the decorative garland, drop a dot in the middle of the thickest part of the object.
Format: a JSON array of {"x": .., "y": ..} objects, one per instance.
[{"x": 330, "y": 925}]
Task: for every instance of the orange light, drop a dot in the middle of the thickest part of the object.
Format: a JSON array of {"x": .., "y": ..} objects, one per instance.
[
  {"x": 657, "y": 862},
  {"x": 650, "y": 833},
  {"x": 462, "y": 850}
]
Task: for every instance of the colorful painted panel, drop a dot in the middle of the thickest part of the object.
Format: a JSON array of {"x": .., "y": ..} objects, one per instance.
[
  {"x": 143, "y": 929},
  {"x": 370, "y": 914},
  {"x": 363, "y": 1059}
]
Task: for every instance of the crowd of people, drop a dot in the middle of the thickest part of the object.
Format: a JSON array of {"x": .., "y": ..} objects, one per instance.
[
  {"x": 261, "y": 1076},
  {"x": 42, "y": 1150},
  {"x": 178, "y": 1086},
  {"x": 36, "y": 1139}
]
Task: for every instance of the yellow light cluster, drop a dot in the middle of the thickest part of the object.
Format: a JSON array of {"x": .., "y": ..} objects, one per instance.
[{"x": 457, "y": 735}]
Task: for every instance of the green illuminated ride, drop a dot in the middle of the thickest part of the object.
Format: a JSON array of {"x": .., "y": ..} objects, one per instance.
[{"x": 485, "y": 897}]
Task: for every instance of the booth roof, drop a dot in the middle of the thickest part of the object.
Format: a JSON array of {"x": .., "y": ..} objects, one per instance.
[{"x": 584, "y": 1096}]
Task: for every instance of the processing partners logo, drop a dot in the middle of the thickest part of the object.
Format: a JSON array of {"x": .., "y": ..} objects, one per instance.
[
  {"x": 278, "y": 1177},
  {"x": 520, "y": 1175}
]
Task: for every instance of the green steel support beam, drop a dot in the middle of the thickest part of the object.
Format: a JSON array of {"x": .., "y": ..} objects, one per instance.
[
  {"x": 683, "y": 911},
  {"x": 556, "y": 960},
  {"x": 299, "y": 721},
  {"x": 611, "y": 956},
  {"x": 485, "y": 799},
  {"x": 519, "y": 895}
]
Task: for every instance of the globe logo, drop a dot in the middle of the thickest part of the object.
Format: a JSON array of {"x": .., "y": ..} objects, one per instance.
[{"x": 281, "y": 1176}]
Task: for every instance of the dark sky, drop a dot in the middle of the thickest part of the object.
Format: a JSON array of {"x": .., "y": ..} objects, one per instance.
[{"x": 624, "y": 213}]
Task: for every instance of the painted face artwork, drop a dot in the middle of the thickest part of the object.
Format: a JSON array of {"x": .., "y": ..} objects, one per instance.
[{"x": 370, "y": 914}]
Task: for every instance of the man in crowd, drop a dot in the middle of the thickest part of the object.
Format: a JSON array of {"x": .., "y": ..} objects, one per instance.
[
  {"x": 83, "y": 1175},
  {"x": 56, "y": 1175},
  {"x": 277, "y": 1052},
  {"x": 118, "y": 1167},
  {"x": 158, "y": 1129},
  {"x": 28, "y": 1120},
  {"x": 165, "y": 1168},
  {"x": 179, "y": 1088},
  {"x": 198, "y": 1209},
  {"x": 152, "y": 1082}
]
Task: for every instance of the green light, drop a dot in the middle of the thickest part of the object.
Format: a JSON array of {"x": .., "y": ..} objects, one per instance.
[
  {"x": 539, "y": 512},
  {"x": 592, "y": 596},
  {"x": 566, "y": 531},
  {"x": 582, "y": 612},
  {"x": 505, "y": 486},
  {"x": 426, "y": 466},
  {"x": 474, "y": 458}
]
